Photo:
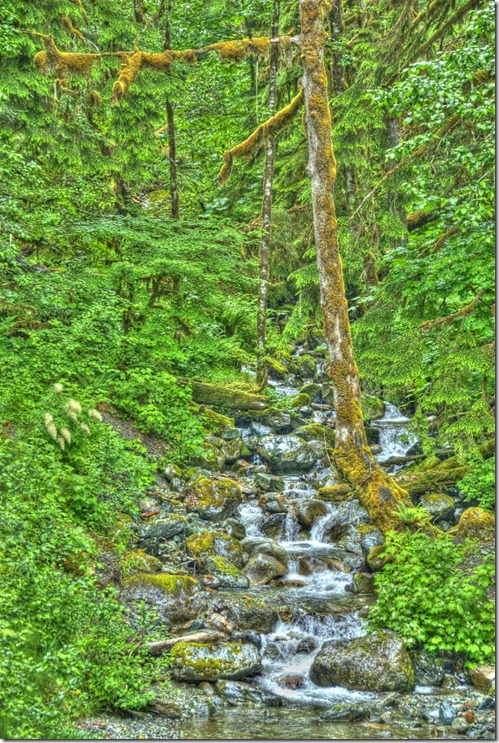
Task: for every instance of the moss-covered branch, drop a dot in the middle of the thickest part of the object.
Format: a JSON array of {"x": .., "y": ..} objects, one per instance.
[
  {"x": 448, "y": 319},
  {"x": 251, "y": 146}
]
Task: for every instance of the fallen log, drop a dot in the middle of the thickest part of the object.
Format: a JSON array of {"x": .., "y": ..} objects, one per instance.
[{"x": 156, "y": 648}]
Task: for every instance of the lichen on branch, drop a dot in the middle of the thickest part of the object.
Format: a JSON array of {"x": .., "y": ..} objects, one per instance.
[{"x": 251, "y": 146}]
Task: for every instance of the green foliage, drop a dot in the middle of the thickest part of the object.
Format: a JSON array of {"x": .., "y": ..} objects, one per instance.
[
  {"x": 430, "y": 599},
  {"x": 480, "y": 483}
]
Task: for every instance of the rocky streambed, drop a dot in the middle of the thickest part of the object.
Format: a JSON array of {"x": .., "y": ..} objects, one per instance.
[{"x": 256, "y": 566}]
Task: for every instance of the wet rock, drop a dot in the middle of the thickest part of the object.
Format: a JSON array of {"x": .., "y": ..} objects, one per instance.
[
  {"x": 437, "y": 505},
  {"x": 277, "y": 370},
  {"x": 476, "y": 523},
  {"x": 309, "y": 511},
  {"x": 261, "y": 545},
  {"x": 154, "y": 535},
  {"x": 228, "y": 575},
  {"x": 195, "y": 662},
  {"x": 483, "y": 678},
  {"x": 211, "y": 458},
  {"x": 165, "y": 709},
  {"x": 363, "y": 583},
  {"x": 173, "y": 472},
  {"x": 375, "y": 662},
  {"x": 273, "y": 503},
  {"x": 273, "y": 526},
  {"x": 346, "y": 713},
  {"x": 259, "y": 430},
  {"x": 176, "y": 597},
  {"x": 147, "y": 504},
  {"x": 215, "y": 543},
  {"x": 375, "y": 560},
  {"x": 248, "y": 636},
  {"x": 446, "y": 713},
  {"x": 235, "y": 528},
  {"x": 291, "y": 681},
  {"x": 235, "y": 692},
  {"x": 214, "y": 499},
  {"x": 261, "y": 569},
  {"x": 231, "y": 449},
  {"x": 246, "y": 613},
  {"x": 306, "y": 366},
  {"x": 300, "y": 401},
  {"x": 371, "y": 537},
  {"x": 487, "y": 703},
  {"x": 269, "y": 483},
  {"x": 327, "y": 394},
  {"x": 278, "y": 420},
  {"x": 429, "y": 669},
  {"x": 372, "y": 407},
  {"x": 287, "y": 454}
]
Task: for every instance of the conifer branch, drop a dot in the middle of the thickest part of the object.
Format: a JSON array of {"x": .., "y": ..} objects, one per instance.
[{"x": 250, "y": 147}]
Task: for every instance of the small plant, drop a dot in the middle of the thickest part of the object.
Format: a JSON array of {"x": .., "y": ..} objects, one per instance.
[{"x": 479, "y": 483}]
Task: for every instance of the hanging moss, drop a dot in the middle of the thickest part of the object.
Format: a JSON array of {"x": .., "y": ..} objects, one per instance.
[
  {"x": 239, "y": 48},
  {"x": 63, "y": 63},
  {"x": 250, "y": 147}
]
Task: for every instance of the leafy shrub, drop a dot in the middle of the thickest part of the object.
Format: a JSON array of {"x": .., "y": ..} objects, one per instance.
[
  {"x": 429, "y": 599},
  {"x": 480, "y": 483}
]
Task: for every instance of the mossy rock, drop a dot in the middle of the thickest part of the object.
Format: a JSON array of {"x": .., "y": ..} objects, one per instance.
[
  {"x": 138, "y": 561},
  {"x": 286, "y": 454},
  {"x": 228, "y": 575},
  {"x": 374, "y": 560},
  {"x": 306, "y": 366},
  {"x": 178, "y": 598},
  {"x": 437, "y": 504},
  {"x": 216, "y": 422},
  {"x": 277, "y": 370},
  {"x": 363, "y": 583},
  {"x": 372, "y": 407},
  {"x": 212, "y": 457},
  {"x": 316, "y": 432},
  {"x": 215, "y": 543},
  {"x": 476, "y": 523},
  {"x": 375, "y": 662},
  {"x": 335, "y": 493},
  {"x": 221, "y": 396},
  {"x": 194, "y": 662},
  {"x": 300, "y": 401},
  {"x": 231, "y": 449},
  {"x": 214, "y": 500},
  {"x": 246, "y": 613},
  {"x": 313, "y": 390}
]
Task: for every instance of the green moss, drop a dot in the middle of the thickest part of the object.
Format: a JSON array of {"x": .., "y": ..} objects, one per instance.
[
  {"x": 175, "y": 584},
  {"x": 139, "y": 561},
  {"x": 300, "y": 401}
]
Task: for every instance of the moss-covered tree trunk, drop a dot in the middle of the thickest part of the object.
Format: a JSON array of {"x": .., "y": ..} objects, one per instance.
[
  {"x": 378, "y": 493},
  {"x": 268, "y": 177}
]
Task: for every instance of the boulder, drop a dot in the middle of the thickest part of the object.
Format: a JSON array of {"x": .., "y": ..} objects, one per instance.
[
  {"x": 231, "y": 449},
  {"x": 286, "y": 454},
  {"x": 371, "y": 537},
  {"x": 309, "y": 511},
  {"x": 269, "y": 483},
  {"x": 215, "y": 544},
  {"x": 211, "y": 458},
  {"x": 300, "y": 400},
  {"x": 363, "y": 583},
  {"x": 194, "y": 662},
  {"x": 313, "y": 391},
  {"x": 214, "y": 500},
  {"x": 316, "y": 432},
  {"x": 476, "y": 523},
  {"x": 178, "y": 598},
  {"x": 306, "y": 366},
  {"x": 437, "y": 505},
  {"x": 221, "y": 396},
  {"x": 277, "y": 370},
  {"x": 263, "y": 546},
  {"x": 154, "y": 535},
  {"x": 138, "y": 561},
  {"x": 261, "y": 569},
  {"x": 429, "y": 669},
  {"x": 228, "y": 575},
  {"x": 483, "y": 678},
  {"x": 375, "y": 662},
  {"x": 246, "y": 613},
  {"x": 278, "y": 420}
]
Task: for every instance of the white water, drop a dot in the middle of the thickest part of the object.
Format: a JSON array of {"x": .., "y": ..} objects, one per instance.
[{"x": 395, "y": 436}]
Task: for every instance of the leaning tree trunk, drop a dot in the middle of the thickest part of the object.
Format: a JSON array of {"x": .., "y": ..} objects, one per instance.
[
  {"x": 170, "y": 120},
  {"x": 262, "y": 371},
  {"x": 377, "y": 492}
]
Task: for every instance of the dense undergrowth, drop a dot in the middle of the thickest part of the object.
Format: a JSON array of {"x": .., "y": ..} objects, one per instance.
[{"x": 108, "y": 302}]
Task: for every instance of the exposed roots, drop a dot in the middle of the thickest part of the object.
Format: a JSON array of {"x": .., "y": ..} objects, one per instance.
[{"x": 252, "y": 145}]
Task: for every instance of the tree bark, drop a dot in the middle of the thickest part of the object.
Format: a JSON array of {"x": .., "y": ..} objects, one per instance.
[
  {"x": 170, "y": 119},
  {"x": 377, "y": 492},
  {"x": 270, "y": 146}
]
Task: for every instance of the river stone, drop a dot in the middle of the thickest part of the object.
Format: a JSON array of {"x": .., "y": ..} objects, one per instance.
[
  {"x": 363, "y": 583},
  {"x": 429, "y": 669},
  {"x": 371, "y": 537},
  {"x": 313, "y": 390},
  {"x": 214, "y": 500},
  {"x": 375, "y": 662},
  {"x": 228, "y": 575},
  {"x": 269, "y": 483},
  {"x": 261, "y": 545},
  {"x": 316, "y": 432},
  {"x": 231, "y": 449},
  {"x": 308, "y": 512},
  {"x": 222, "y": 396},
  {"x": 211, "y": 457},
  {"x": 138, "y": 561},
  {"x": 306, "y": 366},
  {"x": 261, "y": 569},
  {"x": 346, "y": 713},
  {"x": 483, "y": 677},
  {"x": 214, "y": 543},
  {"x": 194, "y": 662},
  {"x": 437, "y": 504},
  {"x": 153, "y": 536},
  {"x": 286, "y": 454},
  {"x": 246, "y": 613},
  {"x": 446, "y": 713},
  {"x": 274, "y": 525},
  {"x": 178, "y": 598}
]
